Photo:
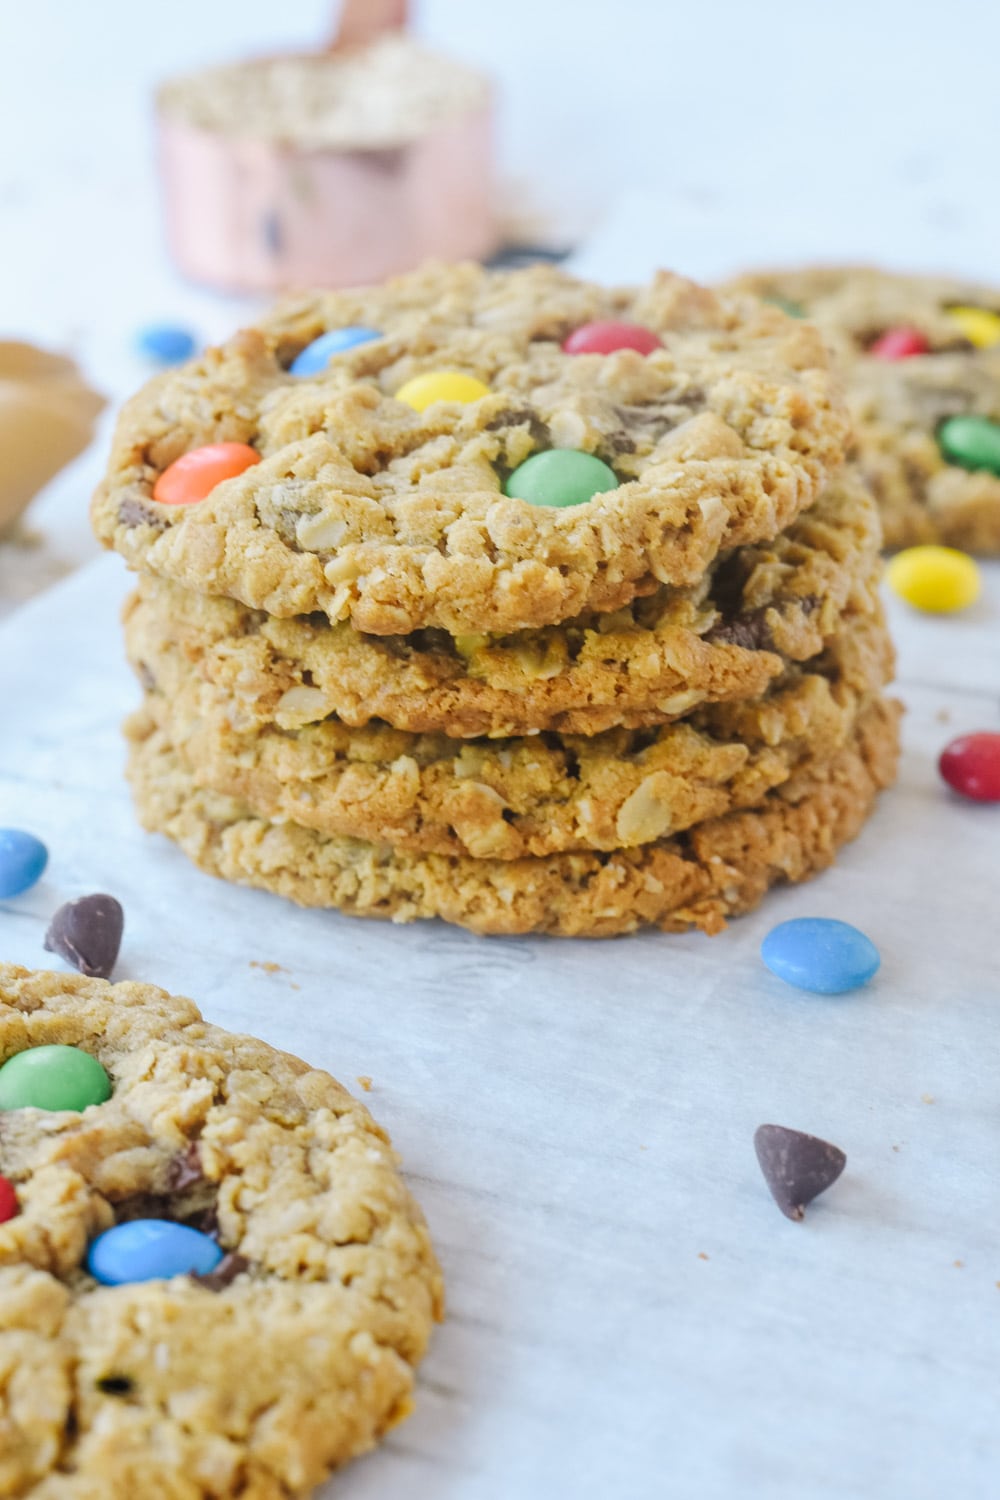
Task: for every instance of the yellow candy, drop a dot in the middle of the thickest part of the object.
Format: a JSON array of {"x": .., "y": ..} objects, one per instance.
[
  {"x": 980, "y": 327},
  {"x": 441, "y": 385},
  {"x": 939, "y": 580}
]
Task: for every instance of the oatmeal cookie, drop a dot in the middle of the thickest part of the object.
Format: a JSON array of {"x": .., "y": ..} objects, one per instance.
[
  {"x": 256, "y": 1379},
  {"x": 724, "y": 639},
  {"x": 534, "y": 796},
  {"x": 364, "y": 508},
  {"x": 716, "y": 869},
  {"x": 949, "y": 366}
]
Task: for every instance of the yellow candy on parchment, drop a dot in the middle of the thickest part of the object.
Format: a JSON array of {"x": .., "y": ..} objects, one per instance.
[{"x": 939, "y": 580}]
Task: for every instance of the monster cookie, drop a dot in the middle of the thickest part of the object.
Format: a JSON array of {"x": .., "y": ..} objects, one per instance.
[
  {"x": 398, "y": 484},
  {"x": 212, "y": 1280},
  {"x": 536, "y": 796},
  {"x": 922, "y": 358},
  {"x": 716, "y": 869},
  {"x": 723, "y": 639}
]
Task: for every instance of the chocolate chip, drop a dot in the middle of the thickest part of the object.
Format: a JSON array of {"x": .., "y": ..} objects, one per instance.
[
  {"x": 136, "y": 512},
  {"x": 116, "y": 1385},
  {"x": 796, "y": 1167},
  {"x": 88, "y": 934},
  {"x": 521, "y": 416},
  {"x": 230, "y": 1266},
  {"x": 185, "y": 1170},
  {"x": 749, "y": 631}
]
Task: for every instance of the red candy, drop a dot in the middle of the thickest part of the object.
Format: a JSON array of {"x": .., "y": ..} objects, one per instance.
[
  {"x": 9, "y": 1207},
  {"x": 606, "y": 337},
  {"x": 971, "y": 766},
  {"x": 899, "y": 343},
  {"x": 192, "y": 477}
]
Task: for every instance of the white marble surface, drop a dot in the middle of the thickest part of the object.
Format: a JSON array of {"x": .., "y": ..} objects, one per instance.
[{"x": 629, "y": 1314}]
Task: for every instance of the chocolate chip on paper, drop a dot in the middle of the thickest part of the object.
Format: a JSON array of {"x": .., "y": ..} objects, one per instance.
[
  {"x": 88, "y": 934},
  {"x": 796, "y": 1167}
]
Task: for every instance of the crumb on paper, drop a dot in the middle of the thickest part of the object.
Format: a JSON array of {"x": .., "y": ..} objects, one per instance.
[
  {"x": 365, "y": 1082},
  {"x": 943, "y": 716},
  {"x": 927, "y": 1098},
  {"x": 269, "y": 968},
  {"x": 702, "y": 1255},
  {"x": 958, "y": 1264}
]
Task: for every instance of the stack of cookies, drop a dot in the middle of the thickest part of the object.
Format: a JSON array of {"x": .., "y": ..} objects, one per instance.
[{"x": 505, "y": 598}]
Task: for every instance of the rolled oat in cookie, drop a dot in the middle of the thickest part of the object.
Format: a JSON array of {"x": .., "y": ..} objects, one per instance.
[
  {"x": 722, "y": 640},
  {"x": 536, "y": 795},
  {"x": 917, "y": 352},
  {"x": 365, "y": 508},
  {"x": 715, "y": 869},
  {"x": 254, "y": 1379}
]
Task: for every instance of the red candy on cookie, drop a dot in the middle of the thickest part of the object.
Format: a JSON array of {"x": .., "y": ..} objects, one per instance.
[
  {"x": 899, "y": 343},
  {"x": 604, "y": 337},
  {"x": 192, "y": 477},
  {"x": 9, "y": 1207}
]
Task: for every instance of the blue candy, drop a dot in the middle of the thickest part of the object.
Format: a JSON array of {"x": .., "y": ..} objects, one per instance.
[
  {"x": 316, "y": 356},
  {"x": 22, "y": 861},
  {"x": 820, "y": 954},
  {"x": 166, "y": 343},
  {"x": 150, "y": 1250}
]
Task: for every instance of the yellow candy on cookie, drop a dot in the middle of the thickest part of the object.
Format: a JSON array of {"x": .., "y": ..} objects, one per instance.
[{"x": 979, "y": 326}]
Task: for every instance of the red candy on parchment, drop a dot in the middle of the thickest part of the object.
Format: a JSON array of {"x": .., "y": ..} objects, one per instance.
[
  {"x": 192, "y": 477},
  {"x": 605, "y": 337},
  {"x": 971, "y": 766}
]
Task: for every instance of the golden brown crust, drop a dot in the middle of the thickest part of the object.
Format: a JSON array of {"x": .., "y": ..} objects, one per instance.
[
  {"x": 364, "y": 509},
  {"x": 716, "y": 869},
  {"x": 898, "y": 406},
  {"x": 146, "y": 1388},
  {"x": 529, "y": 796},
  {"x": 725, "y": 639}
]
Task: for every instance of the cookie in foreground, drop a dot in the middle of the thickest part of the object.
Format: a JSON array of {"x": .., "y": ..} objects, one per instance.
[
  {"x": 297, "y": 1349},
  {"x": 716, "y": 869},
  {"x": 391, "y": 487},
  {"x": 921, "y": 356}
]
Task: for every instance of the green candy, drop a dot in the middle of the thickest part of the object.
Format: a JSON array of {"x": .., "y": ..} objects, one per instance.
[
  {"x": 971, "y": 442},
  {"x": 53, "y": 1077},
  {"x": 787, "y": 306},
  {"x": 560, "y": 476}
]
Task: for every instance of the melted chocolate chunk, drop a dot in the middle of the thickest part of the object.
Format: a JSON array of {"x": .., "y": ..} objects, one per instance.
[
  {"x": 116, "y": 1385},
  {"x": 522, "y": 416},
  {"x": 185, "y": 1170},
  {"x": 136, "y": 512},
  {"x": 749, "y": 631},
  {"x": 88, "y": 934},
  {"x": 230, "y": 1266},
  {"x": 796, "y": 1167}
]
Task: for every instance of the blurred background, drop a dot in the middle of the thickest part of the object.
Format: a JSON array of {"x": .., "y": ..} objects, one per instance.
[{"x": 707, "y": 137}]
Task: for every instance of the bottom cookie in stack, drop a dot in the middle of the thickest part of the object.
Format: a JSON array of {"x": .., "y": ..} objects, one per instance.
[{"x": 717, "y": 868}]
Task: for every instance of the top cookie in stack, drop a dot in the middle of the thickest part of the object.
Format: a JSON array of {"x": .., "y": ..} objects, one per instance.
[
  {"x": 468, "y": 509},
  {"x": 921, "y": 356}
]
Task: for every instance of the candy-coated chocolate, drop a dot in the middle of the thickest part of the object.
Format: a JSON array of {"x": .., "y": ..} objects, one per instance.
[
  {"x": 315, "y": 357},
  {"x": 820, "y": 954},
  {"x": 441, "y": 385},
  {"x": 788, "y": 307},
  {"x": 193, "y": 476},
  {"x": 899, "y": 343},
  {"x": 971, "y": 442},
  {"x": 166, "y": 343},
  {"x": 939, "y": 580},
  {"x": 53, "y": 1077},
  {"x": 9, "y": 1206},
  {"x": 150, "y": 1250},
  {"x": 22, "y": 861},
  {"x": 605, "y": 336},
  {"x": 980, "y": 326},
  {"x": 971, "y": 766},
  {"x": 560, "y": 476}
]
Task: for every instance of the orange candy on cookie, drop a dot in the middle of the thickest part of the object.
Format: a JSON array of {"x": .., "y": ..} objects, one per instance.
[{"x": 192, "y": 477}]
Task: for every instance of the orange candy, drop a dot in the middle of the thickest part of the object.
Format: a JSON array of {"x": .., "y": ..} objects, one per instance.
[{"x": 194, "y": 475}]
